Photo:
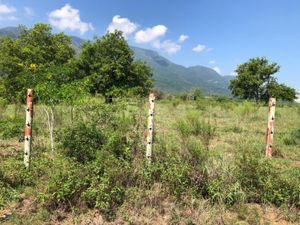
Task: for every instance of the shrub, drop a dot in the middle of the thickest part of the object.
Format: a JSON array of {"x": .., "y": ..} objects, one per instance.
[
  {"x": 81, "y": 142},
  {"x": 184, "y": 96},
  {"x": 11, "y": 128},
  {"x": 221, "y": 191},
  {"x": 66, "y": 182},
  {"x": 176, "y": 175},
  {"x": 104, "y": 194},
  {"x": 175, "y": 102},
  {"x": 263, "y": 182},
  {"x": 202, "y": 104}
]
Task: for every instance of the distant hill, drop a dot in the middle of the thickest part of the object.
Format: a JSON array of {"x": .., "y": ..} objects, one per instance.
[
  {"x": 172, "y": 77},
  {"x": 168, "y": 76},
  {"x": 9, "y": 31}
]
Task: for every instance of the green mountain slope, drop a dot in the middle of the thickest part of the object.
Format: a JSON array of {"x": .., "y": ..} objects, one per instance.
[
  {"x": 168, "y": 76},
  {"x": 174, "y": 78}
]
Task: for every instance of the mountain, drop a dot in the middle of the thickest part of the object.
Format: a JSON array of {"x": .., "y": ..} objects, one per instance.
[
  {"x": 9, "y": 31},
  {"x": 171, "y": 77},
  {"x": 168, "y": 76}
]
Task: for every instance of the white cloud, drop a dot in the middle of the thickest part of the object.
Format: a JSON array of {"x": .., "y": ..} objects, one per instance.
[
  {"x": 183, "y": 38},
  {"x": 233, "y": 74},
  {"x": 150, "y": 34},
  {"x": 168, "y": 46},
  {"x": 68, "y": 18},
  {"x": 28, "y": 11},
  {"x": 6, "y": 11},
  {"x": 199, "y": 48},
  {"x": 122, "y": 24},
  {"x": 212, "y": 62},
  {"x": 217, "y": 69}
]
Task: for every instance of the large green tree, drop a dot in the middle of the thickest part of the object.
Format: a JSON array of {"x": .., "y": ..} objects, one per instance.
[
  {"x": 108, "y": 63},
  {"x": 35, "y": 57},
  {"x": 255, "y": 80}
]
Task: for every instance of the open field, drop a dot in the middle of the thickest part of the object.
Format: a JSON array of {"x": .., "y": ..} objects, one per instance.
[{"x": 208, "y": 164}]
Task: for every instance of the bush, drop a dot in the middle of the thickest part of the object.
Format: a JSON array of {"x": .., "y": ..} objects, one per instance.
[
  {"x": 184, "y": 96},
  {"x": 66, "y": 182},
  {"x": 263, "y": 182},
  {"x": 11, "y": 128},
  {"x": 219, "y": 190},
  {"x": 81, "y": 142},
  {"x": 175, "y": 102},
  {"x": 202, "y": 104},
  {"x": 176, "y": 175}
]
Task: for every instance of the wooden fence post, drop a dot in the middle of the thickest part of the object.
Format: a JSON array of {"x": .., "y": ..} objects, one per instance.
[
  {"x": 150, "y": 127},
  {"x": 28, "y": 127},
  {"x": 270, "y": 129}
]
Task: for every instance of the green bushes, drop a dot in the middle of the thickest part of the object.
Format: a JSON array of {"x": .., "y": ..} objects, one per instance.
[
  {"x": 66, "y": 182},
  {"x": 11, "y": 128},
  {"x": 12, "y": 177},
  {"x": 100, "y": 158},
  {"x": 81, "y": 141},
  {"x": 263, "y": 182},
  {"x": 94, "y": 166},
  {"x": 176, "y": 176}
]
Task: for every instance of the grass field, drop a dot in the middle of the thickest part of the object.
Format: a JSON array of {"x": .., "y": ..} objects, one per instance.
[{"x": 208, "y": 164}]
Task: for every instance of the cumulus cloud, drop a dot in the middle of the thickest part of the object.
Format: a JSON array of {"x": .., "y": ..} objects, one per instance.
[
  {"x": 212, "y": 62},
  {"x": 183, "y": 38},
  {"x": 168, "y": 46},
  {"x": 68, "y": 18},
  {"x": 217, "y": 69},
  {"x": 6, "y": 12},
  {"x": 150, "y": 34},
  {"x": 28, "y": 11},
  {"x": 122, "y": 24},
  {"x": 6, "y": 9},
  {"x": 199, "y": 48}
]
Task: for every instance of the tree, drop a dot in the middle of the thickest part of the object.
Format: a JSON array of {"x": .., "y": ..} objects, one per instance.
[
  {"x": 197, "y": 93},
  {"x": 255, "y": 80},
  {"x": 31, "y": 58},
  {"x": 109, "y": 64}
]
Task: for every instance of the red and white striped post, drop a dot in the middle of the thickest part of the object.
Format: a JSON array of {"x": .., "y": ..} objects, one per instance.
[
  {"x": 28, "y": 127},
  {"x": 150, "y": 127},
  {"x": 270, "y": 129}
]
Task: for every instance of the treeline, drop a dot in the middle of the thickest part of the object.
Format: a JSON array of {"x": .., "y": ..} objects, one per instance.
[{"x": 48, "y": 63}]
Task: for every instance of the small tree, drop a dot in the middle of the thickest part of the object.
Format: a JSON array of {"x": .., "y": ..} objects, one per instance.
[
  {"x": 27, "y": 60},
  {"x": 255, "y": 80},
  {"x": 197, "y": 93},
  {"x": 109, "y": 65}
]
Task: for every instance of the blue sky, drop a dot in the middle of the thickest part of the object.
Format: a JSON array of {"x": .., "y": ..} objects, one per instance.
[{"x": 216, "y": 33}]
